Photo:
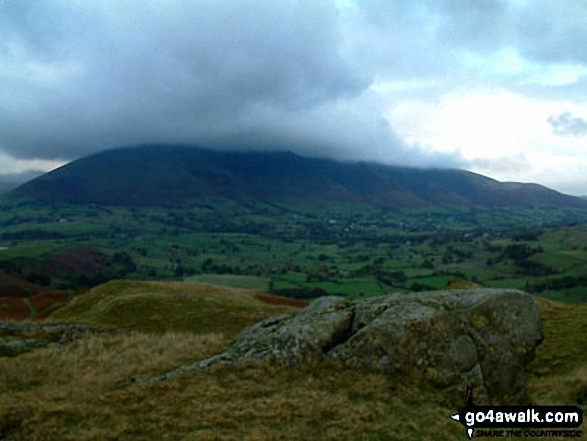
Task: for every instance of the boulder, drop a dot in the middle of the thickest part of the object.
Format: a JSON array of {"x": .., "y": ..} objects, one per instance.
[{"x": 480, "y": 337}]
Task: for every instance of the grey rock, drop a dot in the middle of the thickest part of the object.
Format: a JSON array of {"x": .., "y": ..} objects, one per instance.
[
  {"x": 18, "y": 338},
  {"x": 445, "y": 335},
  {"x": 306, "y": 336},
  {"x": 12, "y": 348}
]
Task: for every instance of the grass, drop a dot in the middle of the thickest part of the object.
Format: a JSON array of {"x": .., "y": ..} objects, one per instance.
[
  {"x": 68, "y": 392},
  {"x": 73, "y": 395},
  {"x": 246, "y": 245},
  {"x": 353, "y": 287},
  {"x": 564, "y": 349},
  {"x": 160, "y": 307},
  {"x": 33, "y": 311},
  {"x": 72, "y": 392},
  {"x": 347, "y": 287},
  {"x": 558, "y": 373}
]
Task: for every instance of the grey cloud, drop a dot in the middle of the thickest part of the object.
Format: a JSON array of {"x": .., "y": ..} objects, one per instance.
[
  {"x": 77, "y": 77},
  {"x": 543, "y": 31},
  {"x": 482, "y": 25},
  {"x": 507, "y": 165},
  {"x": 93, "y": 75},
  {"x": 540, "y": 30},
  {"x": 567, "y": 125},
  {"x": 427, "y": 38},
  {"x": 13, "y": 180},
  {"x": 553, "y": 32},
  {"x": 127, "y": 72}
]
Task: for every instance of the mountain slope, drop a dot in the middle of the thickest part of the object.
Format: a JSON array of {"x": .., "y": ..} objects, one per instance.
[{"x": 153, "y": 175}]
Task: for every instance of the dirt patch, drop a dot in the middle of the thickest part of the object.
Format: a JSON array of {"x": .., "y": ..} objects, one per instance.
[
  {"x": 45, "y": 304},
  {"x": 13, "y": 308}
]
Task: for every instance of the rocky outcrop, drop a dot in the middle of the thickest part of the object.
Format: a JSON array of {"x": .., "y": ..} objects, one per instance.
[
  {"x": 18, "y": 338},
  {"x": 481, "y": 337},
  {"x": 289, "y": 339}
]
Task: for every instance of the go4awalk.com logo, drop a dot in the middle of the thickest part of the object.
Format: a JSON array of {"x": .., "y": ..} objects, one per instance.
[{"x": 520, "y": 421}]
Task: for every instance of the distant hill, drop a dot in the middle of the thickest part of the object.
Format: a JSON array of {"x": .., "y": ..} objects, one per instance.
[
  {"x": 13, "y": 180},
  {"x": 13, "y": 286},
  {"x": 161, "y": 174}
]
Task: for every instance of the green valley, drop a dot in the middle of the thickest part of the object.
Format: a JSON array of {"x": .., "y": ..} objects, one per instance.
[
  {"x": 104, "y": 283},
  {"x": 300, "y": 251}
]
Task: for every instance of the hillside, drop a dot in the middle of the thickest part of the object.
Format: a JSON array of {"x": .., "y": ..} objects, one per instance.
[
  {"x": 155, "y": 175},
  {"x": 12, "y": 180},
  {"x": 11, "y": 286},
  {"x": 161, "y": 307},
  {"x": 74, "y": 391}
]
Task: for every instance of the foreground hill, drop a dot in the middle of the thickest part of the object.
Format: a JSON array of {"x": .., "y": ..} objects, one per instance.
[
  {"x": 154, "y": 175},
  {"x": 173, "y": 306},
  {"x": 74, "y": 391}
]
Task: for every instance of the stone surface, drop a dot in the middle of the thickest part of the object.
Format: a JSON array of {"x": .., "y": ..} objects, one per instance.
[
  {"x": 477, "y": 337},
  {"x": 292, "y": 339},
  {"x": 18, "y": 338}
]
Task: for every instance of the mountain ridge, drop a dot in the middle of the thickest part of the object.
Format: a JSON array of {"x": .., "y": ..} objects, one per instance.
[{"x": 175, "y": 174}]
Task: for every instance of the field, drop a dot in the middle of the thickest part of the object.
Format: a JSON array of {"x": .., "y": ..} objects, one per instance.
[
  {"x": 73, "y": 392},
  {"x": 298, "y": 250}
]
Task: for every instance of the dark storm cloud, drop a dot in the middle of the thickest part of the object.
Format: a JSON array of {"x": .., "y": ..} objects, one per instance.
[
  {"x": 13, "y": 180},
  {"x": 77, "y": 77},
  {"x": 568, "y": 125},
  {"x": 87, "y": 74}
]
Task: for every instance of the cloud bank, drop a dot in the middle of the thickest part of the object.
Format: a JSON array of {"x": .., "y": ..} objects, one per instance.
[
  {"x": 84, "y": 76},
  {"x": 321, "y": 78}
]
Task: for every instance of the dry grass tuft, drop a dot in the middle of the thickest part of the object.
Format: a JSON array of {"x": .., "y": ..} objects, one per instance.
[
  {"x": 53, "y": 387},
  {"x": 100, "y": 361},
  {"x": 71, "y": 393}
]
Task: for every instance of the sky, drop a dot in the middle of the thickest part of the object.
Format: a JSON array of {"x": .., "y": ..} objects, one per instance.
[{"x": 497, "y": 87}]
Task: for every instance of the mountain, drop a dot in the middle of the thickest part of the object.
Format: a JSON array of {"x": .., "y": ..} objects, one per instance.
[
  {"x": 13, "y": 180},
  {"x": 162, "y": 174}
]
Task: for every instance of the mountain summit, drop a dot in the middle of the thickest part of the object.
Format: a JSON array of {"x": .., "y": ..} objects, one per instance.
[{"x": 162, "y": 174}]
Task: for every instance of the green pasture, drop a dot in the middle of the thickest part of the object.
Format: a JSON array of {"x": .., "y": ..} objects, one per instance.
[
  {"x": 290, "y": 242},
  {"x": 231, "y": 280}
]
